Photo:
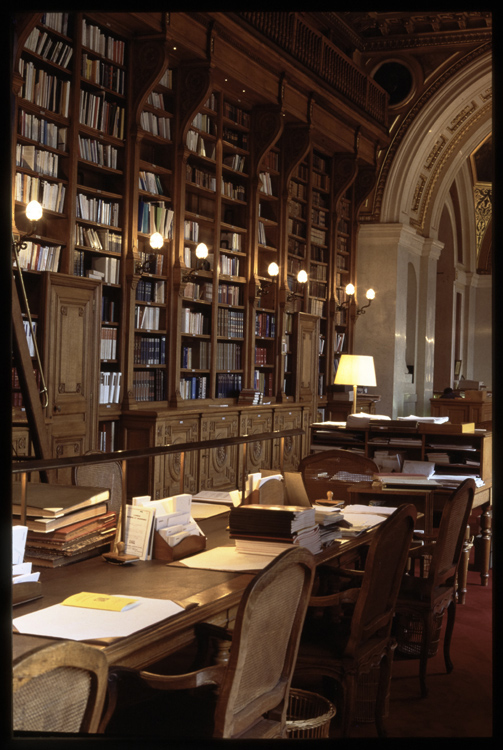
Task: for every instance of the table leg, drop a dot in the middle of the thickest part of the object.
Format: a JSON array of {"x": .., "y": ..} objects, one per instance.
[
  {"x": 463, "y": 566},
  {"x": 483, "y": 552}
]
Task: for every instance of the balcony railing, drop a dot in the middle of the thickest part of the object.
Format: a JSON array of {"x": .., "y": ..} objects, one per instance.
[{"x": 291, "y": 32}]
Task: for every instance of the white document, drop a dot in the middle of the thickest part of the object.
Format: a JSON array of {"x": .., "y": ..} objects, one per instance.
[
  {"x": 212, "y": 496},
  {"x": 381, "y": 510},
  {"x": 426, "y": 468},
  {"x": 139, "y": 531},
  {"x": 19, "y": 534},
  {"x": 78, "y": 624},
  {"x": 227, "y": 558}
]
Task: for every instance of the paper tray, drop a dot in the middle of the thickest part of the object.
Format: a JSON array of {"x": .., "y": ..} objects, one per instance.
[{"x": 188, "y": 546}]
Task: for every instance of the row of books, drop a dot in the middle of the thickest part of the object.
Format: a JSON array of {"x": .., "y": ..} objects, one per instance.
[
  {"x": 149, "y": 350},
  {"x": 159, "y": 126},
  {"x": 229, "y": 384},
  {"x": 65, "y": 524},
  {"x": 230, "y": 323},
  {"x": 265, "y": 325},
  {"x": 154, "y": 216},
  {"x": 98, "y": 239},
  {"x": 196, "y": 357},
  {"x": 235, "y": 162},
  {"x": 237, "y": 139},
  {"x": 16, "y": 395},
  {"x": 149, "y": 385},
  {"x": 263, "y": 382},
  {"x": 98, "y": 113},
  {"x": 103, "y": 154},
  {"x": 194, "y": 322},
  {"x": 103, "y": 74},
  {"x": 229, "y": 266},
  {"x": 318, "y": 272},
  {"x": 110, "y": 387},
  {"x": 151, "y": 291},
  {"x": 51, "y": 195},
  {"x": 195, "y": 291},
  {"x": 45, "y": 90},
  {"x": 43, "y": 131},
  {"x": 201, "y": 177},
  {"x": 36, "y": 257},
  {"x": 98, "y": 210},
  {"x": 36, "y": 159},
  {"x": 105, "y": 268},
  {"x": 56, "y": 21},
  {"x": 229, "y": 294},
  {"x": 228, "y": 356},
  {"x": 235, "y": 191},
  {"x": 108, "y": 343},
  {"x": 205, "y": 123},
  {"x": 260, "y": 355},
  {"x": 156, "y": 100},
  {"x": 265, "y": 183},
  {"x": 230, "y": 241},
  {"x": 147, "y": 318},
  {"x": 104, "y": 44},
  {"x": 194, "y": 387},
  {"x": 150, "y": 182},
  {"x": 196, "y": 143}
]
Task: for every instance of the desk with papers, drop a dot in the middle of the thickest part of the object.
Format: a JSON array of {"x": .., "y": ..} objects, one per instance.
[{"x": 205, "y": 595}]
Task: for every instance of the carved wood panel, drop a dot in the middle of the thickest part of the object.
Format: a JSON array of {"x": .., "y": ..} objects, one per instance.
[{"x": 219, "y": 466}]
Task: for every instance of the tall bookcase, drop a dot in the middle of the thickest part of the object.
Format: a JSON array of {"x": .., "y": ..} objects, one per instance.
[{"x": 122, "y": 136}]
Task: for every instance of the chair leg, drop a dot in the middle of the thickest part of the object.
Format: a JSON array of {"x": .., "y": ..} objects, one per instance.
[
  {"x": 423, "y": 659},
  {"x": 350, "y": 688},
  {"x": 451, "y": 616},
  {"x": 382, "y": 691}
]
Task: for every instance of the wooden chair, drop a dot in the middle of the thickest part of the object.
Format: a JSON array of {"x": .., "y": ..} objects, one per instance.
[
  {"x": 59, "y": 688},
  {"x": 423, "y": 598},
  {"x": 253, "y": 686},
  {"x": 333, "y": 471},
  {"x": 353, "y": 637},
  {"x": 107, "y": 475}
]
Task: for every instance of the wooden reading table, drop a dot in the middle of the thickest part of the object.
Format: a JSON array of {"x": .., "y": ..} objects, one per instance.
[
  {"x": 428, "y": 501},
  {"x": 208, "y": 596}
]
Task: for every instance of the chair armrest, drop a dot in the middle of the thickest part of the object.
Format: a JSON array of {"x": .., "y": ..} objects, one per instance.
[
  {"x": 349, "y": 596},
  {"x": 211, "y": 675}
]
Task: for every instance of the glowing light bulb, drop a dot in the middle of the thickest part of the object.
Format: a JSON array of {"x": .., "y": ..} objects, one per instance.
[
  {"x": 201, "y": 251},
  {"x": 302, "y": 277},
  {"x": 273, "y": 269},
  {"x": 156, "y": 241},
  {"x": 34, "y": 211},
  {"x": 350, "y": 289},
  {"x": 370, "y": 294}
]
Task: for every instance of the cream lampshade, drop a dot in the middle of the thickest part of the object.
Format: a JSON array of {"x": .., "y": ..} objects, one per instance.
[{"x": 355, "y": 370}]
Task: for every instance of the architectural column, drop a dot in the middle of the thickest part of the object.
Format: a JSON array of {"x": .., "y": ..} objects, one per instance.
[{"x": 400, "y": 265}]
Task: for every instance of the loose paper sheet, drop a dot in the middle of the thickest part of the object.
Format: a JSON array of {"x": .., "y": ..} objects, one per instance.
[
  {"x": 227, "y": 559},
  {"x": 77, "y": 624}
]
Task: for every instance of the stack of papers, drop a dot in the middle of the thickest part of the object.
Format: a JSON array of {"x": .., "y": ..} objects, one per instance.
[
  {"x": 363, "y": 517},
  {"x": 261, "y": 525}
]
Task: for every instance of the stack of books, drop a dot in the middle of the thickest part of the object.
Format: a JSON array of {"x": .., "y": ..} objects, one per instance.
[
  {"x": 65, "y": 523},
  {"x": 270, "y": 529}
]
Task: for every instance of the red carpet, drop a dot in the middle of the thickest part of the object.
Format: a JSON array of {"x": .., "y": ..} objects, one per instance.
[{"x": 458, "y": 705}]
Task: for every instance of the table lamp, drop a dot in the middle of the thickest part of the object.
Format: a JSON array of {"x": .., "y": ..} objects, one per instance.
[{"x": 355, "y": 370}]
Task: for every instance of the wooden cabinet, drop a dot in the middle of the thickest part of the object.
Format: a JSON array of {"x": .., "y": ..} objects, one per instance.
[
  {"x": 70, "y": 344},
  {"x": 461, "y": 410}
]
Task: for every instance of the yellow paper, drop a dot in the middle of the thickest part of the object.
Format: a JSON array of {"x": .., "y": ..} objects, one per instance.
[{"x": 100, "y": 601}]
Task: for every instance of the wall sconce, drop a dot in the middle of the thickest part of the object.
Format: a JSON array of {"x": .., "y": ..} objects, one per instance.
[
  {"x": 273, "y": 271},
  {"x": 201, "y": 264},
  {"x": 355, "y": 370},
  {"x": 34, "y": 214},
  {"x": 301, "y": 279},
  {"x": 156, "y": 242},
  {"x": 350, "y": 291}
]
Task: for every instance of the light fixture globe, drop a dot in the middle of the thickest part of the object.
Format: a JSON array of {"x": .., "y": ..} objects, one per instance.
[
  {"x": 34, "y": 211},
  {"x": 156, "y": 241},
  {"x": 273, "y": 269},
  {"x": 201, "y": 251}
]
